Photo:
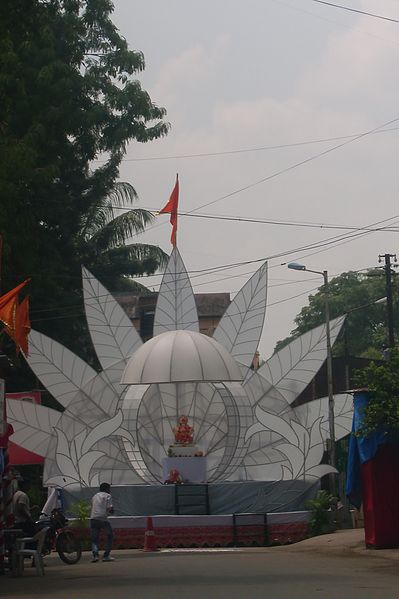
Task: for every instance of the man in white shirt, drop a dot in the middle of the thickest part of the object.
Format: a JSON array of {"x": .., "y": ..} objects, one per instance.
[
  {"x": 21, "y": 509},
  {"x": 101, "y": 507}
]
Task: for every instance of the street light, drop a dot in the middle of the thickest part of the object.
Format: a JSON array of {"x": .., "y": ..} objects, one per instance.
[{"x": 331, "y": 423}]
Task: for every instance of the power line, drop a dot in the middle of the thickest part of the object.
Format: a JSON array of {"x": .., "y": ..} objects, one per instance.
[
  {"x": 286, "y": 170},
  {"x": 80, "y": 312},
  {"x": 202, "y": 272},
  {"x": 248, "y": 150},
  {"x": 278, "y": 222},
  {"x": 286, "y": 223},
  {"x": 361, "y": 12},
  {"x": 335, "y": 240},
  {"x": 70, "y": 310},
  {"x": 296, "y": 165},
  {"x": 323, "y": 17}
]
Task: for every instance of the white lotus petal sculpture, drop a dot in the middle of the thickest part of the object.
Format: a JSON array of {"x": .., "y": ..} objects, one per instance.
[{"x": 117, "y": 424}]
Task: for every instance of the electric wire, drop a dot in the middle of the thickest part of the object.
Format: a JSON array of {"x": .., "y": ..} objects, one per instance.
[
  {"x": 287, "y": 223},
  {"x": 361, "y": 12},
  {"x": 283, "y": 171},
  {"x": 296, "y": 165},
  {"x": 341, "y": 24},
  {"x": 81, "y": 312},
  {"x": 220, "y": 268},
  {"x": 249, "y": 150}
]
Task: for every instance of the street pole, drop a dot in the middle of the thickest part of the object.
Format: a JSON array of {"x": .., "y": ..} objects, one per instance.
[{"x": 330, "y": 389}]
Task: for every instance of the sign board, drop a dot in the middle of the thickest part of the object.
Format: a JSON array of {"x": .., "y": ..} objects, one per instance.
[{"x": 29, "y": 396}]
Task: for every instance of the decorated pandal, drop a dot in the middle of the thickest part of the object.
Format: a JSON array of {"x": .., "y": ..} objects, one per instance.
[{"x": 181, "y": 408}]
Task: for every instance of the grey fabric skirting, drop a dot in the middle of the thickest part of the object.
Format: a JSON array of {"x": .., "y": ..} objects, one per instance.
[{"x": 214, "y": 499}]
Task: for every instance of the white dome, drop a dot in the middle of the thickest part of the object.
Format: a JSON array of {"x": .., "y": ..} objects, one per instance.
[{"x": 180, "y": 356}]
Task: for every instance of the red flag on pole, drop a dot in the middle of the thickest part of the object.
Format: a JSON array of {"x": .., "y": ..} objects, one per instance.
[
  {"x": 8, "y": 307},
  {"x": 171, "y": 208}
]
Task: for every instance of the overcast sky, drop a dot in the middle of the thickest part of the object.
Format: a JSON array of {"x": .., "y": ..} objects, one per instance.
[{"x": 251, "y": 76}]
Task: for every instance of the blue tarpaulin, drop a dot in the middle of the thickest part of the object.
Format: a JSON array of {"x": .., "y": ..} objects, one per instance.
[{"x": 361, "y": 449}]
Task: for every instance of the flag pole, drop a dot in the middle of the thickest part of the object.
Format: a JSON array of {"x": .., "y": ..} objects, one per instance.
[{"x": 171, "y": 208}]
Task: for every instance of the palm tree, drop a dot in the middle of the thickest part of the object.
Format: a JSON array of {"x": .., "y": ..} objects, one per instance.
[{"x": 102, "y": 240}]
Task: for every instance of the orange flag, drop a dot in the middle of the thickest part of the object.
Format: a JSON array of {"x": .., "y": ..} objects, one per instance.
[
  {"x": 8, "y": 307},
  {"x": 22, "y": 326},
  {"x": 171, "y": 208}
]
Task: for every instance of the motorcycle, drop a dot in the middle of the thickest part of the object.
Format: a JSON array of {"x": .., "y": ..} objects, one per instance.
[{"x": 60, "y": 538}]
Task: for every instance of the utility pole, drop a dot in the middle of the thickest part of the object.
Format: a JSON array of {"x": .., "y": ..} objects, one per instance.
[{"x": 388, "y": 283}]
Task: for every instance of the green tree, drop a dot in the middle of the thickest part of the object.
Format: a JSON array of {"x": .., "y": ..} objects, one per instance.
[
  {"x": 357, "y": 295},
  {"x": 382, "y": 383},
  {"x": 69, "y": 105},
  {"x": 101, "y": 242}
]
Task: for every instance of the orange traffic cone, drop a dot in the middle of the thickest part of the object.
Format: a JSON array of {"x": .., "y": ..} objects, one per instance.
[{"x": 149, "y": 536}]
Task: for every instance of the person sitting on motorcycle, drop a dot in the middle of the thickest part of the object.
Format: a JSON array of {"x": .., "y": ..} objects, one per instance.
[{"x": 101, "y": 507}]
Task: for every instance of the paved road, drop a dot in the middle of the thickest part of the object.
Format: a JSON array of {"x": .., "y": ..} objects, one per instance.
[{"x": 275, "y": 573}]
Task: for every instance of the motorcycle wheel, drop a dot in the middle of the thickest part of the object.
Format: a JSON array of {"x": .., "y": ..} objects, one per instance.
[{"x": 68, "y": 547}]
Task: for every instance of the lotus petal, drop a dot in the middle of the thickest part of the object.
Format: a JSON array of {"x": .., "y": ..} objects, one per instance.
[
  {"x": 314, "y": 455},
  {"x": 258, "y": 427},
  {"x": 33, "y": 425},
  {"x": 316, "y": 449},
  {"x": 63, "y": 458},
  {"x": 295, "y": 457},
  {"x": 96, "y": 401},
  {"x": 302, "y": 434},
  {"x": 114, "y": 337},
  {"x": 86, "y": 463},
  {"x": 60, "y": 370},
  {"x": 66, "y": 465},
  {"x": 104, "y": 429},
  {"x": 176, "y": 307},
  {"x": 343, "y": 411},
  {"x": 291, "y": 369},
  {"x": 343, "y": 414},
  {"x": 78, "y": 441},
  {"x": 62, "y": 443},
  {"x": 241, "y": 326},
  {"x": 276, "y": 424}
]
